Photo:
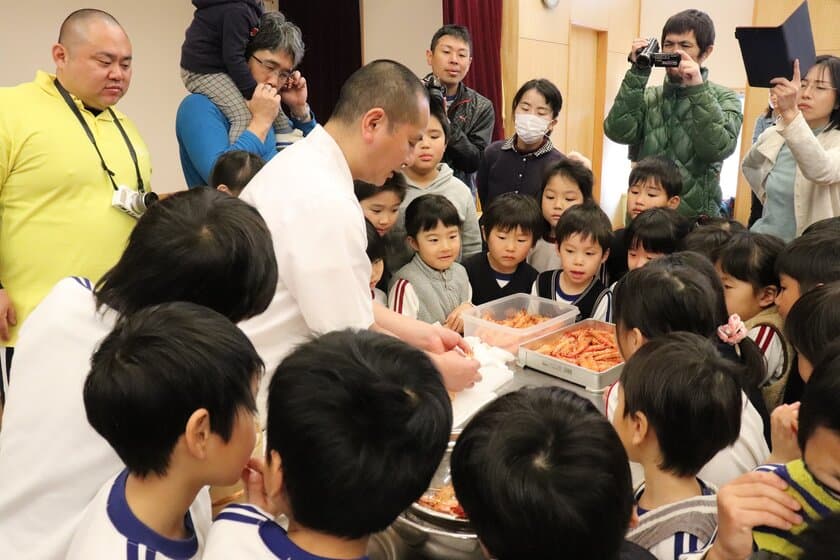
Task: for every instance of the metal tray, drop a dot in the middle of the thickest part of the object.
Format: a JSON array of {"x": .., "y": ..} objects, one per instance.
[{"x": 591, "y": 380}]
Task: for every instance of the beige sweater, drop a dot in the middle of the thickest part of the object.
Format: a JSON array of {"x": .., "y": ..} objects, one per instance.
[{"x": 816, "y": 188}]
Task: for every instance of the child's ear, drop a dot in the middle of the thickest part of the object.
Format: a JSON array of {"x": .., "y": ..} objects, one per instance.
[
  {"x": 640, "y": 427},
  {"x": 673, "y": 202},
  {"x": 635, "y": 340},
  {"x": 224, "y": 188},
  {"x": 412, "y": 243},
  {"x": 273, "y": 476},
  {"x": 767, "y": 296},
  {"x": 606, "y": 256},
  {"x": 197, "y": 433}
]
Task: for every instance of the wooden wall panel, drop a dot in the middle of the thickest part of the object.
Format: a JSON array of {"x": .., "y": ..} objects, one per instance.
[
  {"x": 593, "y": 14},
  {"x": 623, "y": 25},
  {"x": 539, "y": 23},
  {"x": 583, "y": 65}
]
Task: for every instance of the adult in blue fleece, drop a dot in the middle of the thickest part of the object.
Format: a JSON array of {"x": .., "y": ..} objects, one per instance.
[{"x": 202, "y": 132}]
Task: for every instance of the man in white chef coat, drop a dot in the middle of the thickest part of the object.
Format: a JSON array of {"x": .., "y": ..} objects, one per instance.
[{"x": 306, "y": 196}]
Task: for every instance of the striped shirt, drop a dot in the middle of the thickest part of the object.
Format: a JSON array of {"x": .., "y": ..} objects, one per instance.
[
  {"x": 675, "y": 529},
  {"x": 817, "y": 501}
]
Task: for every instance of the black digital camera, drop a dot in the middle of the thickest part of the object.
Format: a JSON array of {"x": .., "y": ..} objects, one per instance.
[
  {"x": 436, "y": 88},
  {"x": 650, "y": 56}
]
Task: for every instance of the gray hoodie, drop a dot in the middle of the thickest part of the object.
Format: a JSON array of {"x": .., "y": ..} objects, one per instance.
[{"x": 459, "y": 195}]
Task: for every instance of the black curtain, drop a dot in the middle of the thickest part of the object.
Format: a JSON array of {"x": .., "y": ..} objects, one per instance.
[{"x": 332, "y": 32}]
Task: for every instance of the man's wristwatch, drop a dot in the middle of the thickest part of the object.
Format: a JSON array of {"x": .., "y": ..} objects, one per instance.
[{"x": 305, "y": 116}]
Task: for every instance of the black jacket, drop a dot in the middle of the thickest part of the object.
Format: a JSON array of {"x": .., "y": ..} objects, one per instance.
[
  {"x": 483, "y": 280},
  {"x": 471, "y": 119},
  {"x": 216, "y": 39}
]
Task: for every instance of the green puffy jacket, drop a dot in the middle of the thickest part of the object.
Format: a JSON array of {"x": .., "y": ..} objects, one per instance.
[{"x": 696, "y": 126}]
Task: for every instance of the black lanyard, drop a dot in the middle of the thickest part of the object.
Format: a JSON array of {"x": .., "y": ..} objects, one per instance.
[{"x": 75, "y": 109}]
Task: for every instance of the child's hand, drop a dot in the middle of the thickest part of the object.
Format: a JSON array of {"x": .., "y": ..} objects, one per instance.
[
  {"x": 254, "y": 483},
  {"x": 784, "y": 425},
  {"x": 458, "y": 371},
  {"x": 454, "y": 320},
  {"x": 751, "y": 500},
  {"x": 264, "y": 104}
]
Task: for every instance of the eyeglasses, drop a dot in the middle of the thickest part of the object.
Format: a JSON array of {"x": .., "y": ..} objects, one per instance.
[
  {"x": 820, "y": 89},
  {"x": 272, "y": 68}
]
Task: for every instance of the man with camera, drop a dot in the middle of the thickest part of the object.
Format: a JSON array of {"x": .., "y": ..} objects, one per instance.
[
  {"x": 471, "y": 115},
  {"x": 688, "y": 119},
  {"x": 74, "y": 172}
]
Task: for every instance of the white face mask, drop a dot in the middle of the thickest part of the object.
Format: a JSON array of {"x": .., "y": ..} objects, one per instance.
[{"x": 530, "y": 128}]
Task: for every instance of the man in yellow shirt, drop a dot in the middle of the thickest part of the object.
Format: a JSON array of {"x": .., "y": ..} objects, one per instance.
[{"x": 64, "y": 153}]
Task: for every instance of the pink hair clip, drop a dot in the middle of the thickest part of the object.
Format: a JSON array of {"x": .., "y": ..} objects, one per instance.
[{"x": 734, "y": 331}]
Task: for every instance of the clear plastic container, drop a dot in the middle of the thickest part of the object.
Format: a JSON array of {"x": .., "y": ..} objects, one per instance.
[{"x": 559, "y": 315}]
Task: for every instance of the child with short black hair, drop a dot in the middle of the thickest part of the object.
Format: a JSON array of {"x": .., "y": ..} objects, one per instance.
[
  {"x": 653, "y": 233},
  {"x": 710, "y": 235},
  {"x": 233, "y": 170},
  {"x": 428, "y": 175},
  {"x": 171, "y": 389},
  {"x": 381, "y": 205},
  {"x": 682, "y": 292},
  {"x": 747, "y": 268},
  {"x": 679, "y": 404},
  {"x": 512, "y": 224},
  {"x": 433, "y": 287},
  {"x": 805, "y": 263},
  {"x": 583, "y": 236},
  {"x": 376, "y": 254},
  {"x": 542, "y": 474},
  {"x": 812, "y": 480},
  {"x": 812, "y": 327},
  {"x": 357, "y": 425},
  {"x": 654, "y": 182},
  {"x": 565, "y": 184}
]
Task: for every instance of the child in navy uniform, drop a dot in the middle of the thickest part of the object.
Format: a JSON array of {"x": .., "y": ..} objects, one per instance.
[
  {"x": 172, "y": 391},
  {"x": 357, "y": 425},
  {"x": 679, "y": 405},
  {"x": 512, "y": 224},
  {"x": 583, "y": 236}
]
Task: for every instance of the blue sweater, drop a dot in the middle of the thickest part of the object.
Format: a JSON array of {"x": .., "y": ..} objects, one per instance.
[{"x": 202, "y": 132}]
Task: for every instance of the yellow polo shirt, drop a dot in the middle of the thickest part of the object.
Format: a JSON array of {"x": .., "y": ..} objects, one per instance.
[{"x": 56, "y": 218}]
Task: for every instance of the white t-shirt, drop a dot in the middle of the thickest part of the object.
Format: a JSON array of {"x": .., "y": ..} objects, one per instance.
[
  {"x": 305, "y": 194},
  {"x": 748, "y": 451},
  {"x": 109, "y": 530},
  {"x": 52, "y": 462},
  {"x": 245, "y": 531},
  {"x": 544, "y": 256}
]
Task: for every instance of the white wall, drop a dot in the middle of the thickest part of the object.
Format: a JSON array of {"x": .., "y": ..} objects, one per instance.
[
  {"x": 400, "y": 30},
  {"x": 156, "y": 29}
]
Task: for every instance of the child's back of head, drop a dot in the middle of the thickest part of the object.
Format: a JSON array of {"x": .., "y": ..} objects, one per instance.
[
  {"x": 811, "y": 259},
  {"x": 710, "y": 235},
  {"x": 158, "y": 367},
  {"x": 542, "y": 474},
  {"x": 357, "y": 423},
  {"x": 813, "y": 324},
  {"x": 233, "y": 170},
  {"x": 690, "y": 397},
  {"x": 653, "y": 233}
]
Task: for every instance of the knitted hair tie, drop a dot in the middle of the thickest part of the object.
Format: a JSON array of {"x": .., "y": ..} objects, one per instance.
[{"x": 734, "y": 331}]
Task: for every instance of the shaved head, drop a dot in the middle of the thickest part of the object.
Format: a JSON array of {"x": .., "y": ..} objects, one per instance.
[{"x": 75, "y": 27}]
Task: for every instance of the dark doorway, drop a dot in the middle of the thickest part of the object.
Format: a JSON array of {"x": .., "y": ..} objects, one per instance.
[{"x": 332, "y": 32}]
